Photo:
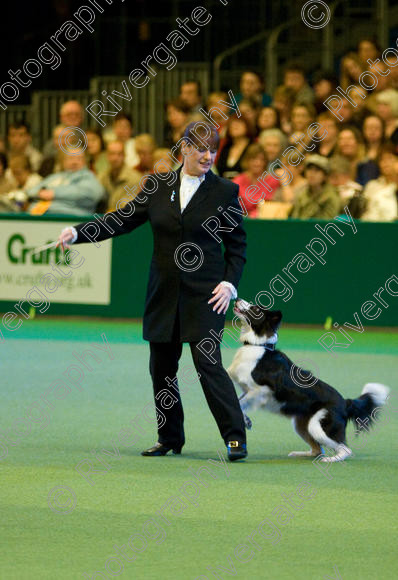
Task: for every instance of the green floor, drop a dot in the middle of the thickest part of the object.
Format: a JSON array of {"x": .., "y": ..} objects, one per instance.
[{"x": 316, "y": 524}]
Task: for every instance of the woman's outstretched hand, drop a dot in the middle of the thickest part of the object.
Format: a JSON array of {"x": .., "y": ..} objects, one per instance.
[{"x": 65, "y": 238}]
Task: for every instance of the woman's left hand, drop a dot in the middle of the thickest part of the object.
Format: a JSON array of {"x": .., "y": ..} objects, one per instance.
[{"x": 222, "y": 297}]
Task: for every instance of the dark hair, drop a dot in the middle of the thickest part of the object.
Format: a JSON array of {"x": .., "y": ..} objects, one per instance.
[
  {"x": 123, "y": 117},
  {"x": 193, "y": 81},
  {"x": 295, "y": 67},
  {"x": 388, "y": 148},
  {"x": 325, "y": 75},
  {"x": 99, "y": 135},
  {"x": 19, "y": 125},
  {"x": 179, "y": 104},
  {"x": 249, "y": 129},
  {"x": 3, "y": 160},
  {"x": 193, "y": 133}
]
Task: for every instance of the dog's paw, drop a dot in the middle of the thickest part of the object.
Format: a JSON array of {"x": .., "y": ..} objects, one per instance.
[{"x": 248, "y": 422}]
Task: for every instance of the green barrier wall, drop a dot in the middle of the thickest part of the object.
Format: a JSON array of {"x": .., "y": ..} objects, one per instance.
[{"x": 355, "y": 267}]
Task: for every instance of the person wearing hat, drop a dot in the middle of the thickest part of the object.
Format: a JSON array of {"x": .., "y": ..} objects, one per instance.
[{"x": 317, "y": 198}]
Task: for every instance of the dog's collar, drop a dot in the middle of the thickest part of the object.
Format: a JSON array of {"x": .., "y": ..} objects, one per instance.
[{"x": 266, "y": 346}]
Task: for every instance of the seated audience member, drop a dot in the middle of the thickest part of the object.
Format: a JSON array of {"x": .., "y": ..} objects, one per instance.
[
  {"x": 346, "y": 111},
  {"x": 268, "y": 118},
  {"x": 234, "y": 146},
  {"x": 327, "y": 147},
  {"x": 361, "y": 109},
  {"x": 274, "y": 142},
  {"x": 250, "y": 111},
  {"x": 123, "y": 131},
  {"x": 317, "y": 199},
  {"x": 97, "y": 159},
  {"x": 162, "y": 162},
  {"x": 387, "y": 110},
  {"x": 373, "y": 134},
  {"x": 191, "y": 94},
  {"x": 252, "y": 87},
  {"x": 350, "y": 146},
  {"x": 324, "y": 85},
  {"x": 283, "y": 102},
  {"x": 368, "y": 48},
  {"x": 70, "y": 115},
  {"x": 350, "y": 192},
  {"x": 20, "y": 143},
  {"x": 288, "y": 193},
  {"x": 145, "y": 146},
  {"x": 5, "y": 184},
  {"x": 53, "y": 163},
  {"x": 74, "y": 191},
  {"x": 178, "y": 116},
  {"x": 253, "y": 164},
  {"x": 351, "y": 69},
  {"x": 22, "y": 173},
  {"x": 381, "y": 194},
  {"x": 302, "y": 116},
  {"x": 295, "y": 79},
  {"x": 118, "y": 179},
  {"x": 219, "y": 112}
]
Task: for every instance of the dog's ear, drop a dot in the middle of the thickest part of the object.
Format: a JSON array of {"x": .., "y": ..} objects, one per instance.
[{"x": 275, "y": 319}]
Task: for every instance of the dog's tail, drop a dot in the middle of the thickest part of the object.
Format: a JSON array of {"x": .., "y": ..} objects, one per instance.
[{"x": 360, "y": 411}]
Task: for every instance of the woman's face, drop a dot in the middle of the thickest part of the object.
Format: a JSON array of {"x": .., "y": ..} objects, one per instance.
[
  {"x": 367, "y": 50},
  {"x": 384, "y": 111},
  {"x": 389, "y": 165},
  {"x": 330, "y": 126},
  {"x": 315, "y": 176},
  {"x": 266, "y": 118},
  {"x": 175, "y": 117},
  {"x": 93, "y": 143},
  {"x": 348, "y": 144},
  {"x": 373, "y": 130},
  {"x": 352, "y": 68},
  {"x": 237, "y": 128},
  {"x": 301, "y": 119},
  {"x": 256, "y": 165},
  {"x": 123, "y": 130},
  {"x": 272, "y": 147}
]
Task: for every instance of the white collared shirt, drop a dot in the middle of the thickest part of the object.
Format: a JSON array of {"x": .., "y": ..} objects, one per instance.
[{"x": 189, "y": 185}]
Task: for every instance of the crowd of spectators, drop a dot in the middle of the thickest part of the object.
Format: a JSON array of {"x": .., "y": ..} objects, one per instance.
[{"x": 293, "y": 153}]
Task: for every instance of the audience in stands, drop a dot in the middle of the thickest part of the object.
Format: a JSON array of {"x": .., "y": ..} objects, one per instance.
[
  {"x": 381, "y": 194},
  {"x": 251, "y": 188},
  {"x": 295, "y": 79},
  {"x": 191, "y": 94},
  {"x": 96, "y": 154},
  {"x": 119, "y": 181},
  {"x": 70, "y": 115},
  {"x": 232, "y": 149},
  {"x": 252, "y": 87},
  {"x": 351, "y": 162},
  {"x": 145, "y": 146},
  {"x": 19, "y": 142},
  {"x": 318, "y": 198},
  {"x": 75, "y": 190},
  {"x": 178, "y": 117},
  {"x": 123, "y": 131}
]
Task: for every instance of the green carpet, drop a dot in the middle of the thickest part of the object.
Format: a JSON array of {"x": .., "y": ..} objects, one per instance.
[{"x": 305, "y": 522}]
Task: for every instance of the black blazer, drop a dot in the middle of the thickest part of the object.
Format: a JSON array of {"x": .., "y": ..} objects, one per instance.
[{"x": 170, "y": 287}]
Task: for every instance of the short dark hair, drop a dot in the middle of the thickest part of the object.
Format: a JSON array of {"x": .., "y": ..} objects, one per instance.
[
  {"x": 192, "y": 133},
  {"x": 194, "y": 82},
  {"x": 19, "y": 125},
  {"x": 295, "y": 67},
  {"x": 123, "y": 117},
  {"x": 179, "y": 104}
]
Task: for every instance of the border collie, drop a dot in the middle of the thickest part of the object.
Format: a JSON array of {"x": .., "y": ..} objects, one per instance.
[{"x": 319, "y": 413}]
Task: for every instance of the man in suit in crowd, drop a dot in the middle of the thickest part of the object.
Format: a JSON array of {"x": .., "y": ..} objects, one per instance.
[{"x": 186, "y": 297}]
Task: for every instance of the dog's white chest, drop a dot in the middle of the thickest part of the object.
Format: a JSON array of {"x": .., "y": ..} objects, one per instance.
[{"x": 244, "y": 361}]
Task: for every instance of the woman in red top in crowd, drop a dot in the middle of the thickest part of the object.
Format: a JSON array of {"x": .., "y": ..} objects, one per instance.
[{"x": 251, "y": 189}]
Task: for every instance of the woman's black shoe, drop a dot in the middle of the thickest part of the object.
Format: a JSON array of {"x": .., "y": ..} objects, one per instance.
[
  {"x": 159, "y": 449},
  {"x": 236, "y": 450}
]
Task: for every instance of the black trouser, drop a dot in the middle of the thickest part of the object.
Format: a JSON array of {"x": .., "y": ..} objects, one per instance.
[{"x": 217, "y": 386}]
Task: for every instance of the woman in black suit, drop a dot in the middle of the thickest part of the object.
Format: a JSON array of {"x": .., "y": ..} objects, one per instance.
[{"x": 185, "y": 303}]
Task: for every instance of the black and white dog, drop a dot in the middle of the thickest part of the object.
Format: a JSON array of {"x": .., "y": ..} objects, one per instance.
[{"x": 269, "y": 380}]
